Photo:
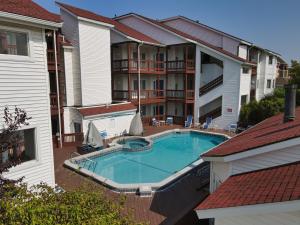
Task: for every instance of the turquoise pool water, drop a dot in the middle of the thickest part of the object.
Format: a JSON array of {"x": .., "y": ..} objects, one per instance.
[{"x": 168, "y": 154}]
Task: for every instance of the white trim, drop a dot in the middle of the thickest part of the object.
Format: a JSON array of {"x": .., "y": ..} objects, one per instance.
[
  {"x": 28, "y": 19},
  {"x": 277, "y": 207},
  {"x": 108, "y": 114},
  {"x": 256, "y": 151},
  {"x": 37, "y": 159},
  {"x": 19, "y": 58}
]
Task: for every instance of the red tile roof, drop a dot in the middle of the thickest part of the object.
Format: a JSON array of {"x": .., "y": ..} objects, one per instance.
[
  {"x": 117, "y": 25},
  {"x": 277, "y": 184},
  {"x": 271, "y": 130},
  {"x": 185, "y": 35},
  {"x": 97, "y": 110},
  {"x": 28, "y": 8}
]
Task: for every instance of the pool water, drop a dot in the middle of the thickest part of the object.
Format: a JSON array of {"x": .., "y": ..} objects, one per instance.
[{"x": 168, "y": 154}]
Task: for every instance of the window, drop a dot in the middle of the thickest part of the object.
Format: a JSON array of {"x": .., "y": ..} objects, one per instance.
[
  {"x": 245, "y": 70},
  {"x": 269, "y": 83},
  {"x": 77, "y": 127},
  {"x": 136, "y": 87},
  {"x": 270, "y": 59},
  {"x": 244, "y": 99},
  {"x": 24, "y": 149},
  {"x": 13, "y": 43}
]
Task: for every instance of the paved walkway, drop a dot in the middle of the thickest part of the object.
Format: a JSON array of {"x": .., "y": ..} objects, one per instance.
[{"x": 172, "y": 206}]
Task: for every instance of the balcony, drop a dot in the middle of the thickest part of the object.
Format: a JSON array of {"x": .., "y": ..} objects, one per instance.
[
  {"x": 131, "y": 66},
  {"x": 183, "y": 66},
  {"x": 54, "y": 103},
  {"x": 147, "y": 96},
  {"x": 187, "y": 95},
  {"x": 51, "y": 60}
]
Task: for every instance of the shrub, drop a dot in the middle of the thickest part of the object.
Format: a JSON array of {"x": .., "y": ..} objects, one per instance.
[{"x": 41, "y": 205}]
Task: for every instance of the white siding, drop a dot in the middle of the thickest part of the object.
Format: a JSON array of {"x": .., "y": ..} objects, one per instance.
[
  {"x": 25, "y": 84},
  {"x": 220, "y": 171},
  {"x": 266, "y": 160},
  {"x": 205, "y": 34},
  {"x": 69, "y": 76},
  {"x": 151, "y": 30},
  {"x": 71, "y": 116},
  {"x": 71, "y": 31},
  {"x": 95, "y": 64},
  {"x": 288, "y": 218},
  {"x": 117, "y": 38},
  {"x": 243, "y": 51}
]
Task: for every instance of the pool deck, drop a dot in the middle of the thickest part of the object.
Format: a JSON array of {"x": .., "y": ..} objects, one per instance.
[{"x": 161, "y": 208}]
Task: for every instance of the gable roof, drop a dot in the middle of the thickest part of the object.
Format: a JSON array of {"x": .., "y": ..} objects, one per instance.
[
  {"x": 98, "y": 110},
  {"x": 125, "y": 30},
  {"x": 187, "y": 36},
  {"x": 269, "y": 131},
  {"x": 204, "y": 25},
  {"x": 272, "y": 185},
  {"x": 28, "y": 8}
]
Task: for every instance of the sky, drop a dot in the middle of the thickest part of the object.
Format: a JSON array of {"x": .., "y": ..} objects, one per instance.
[{"x": 271, "y": 24}]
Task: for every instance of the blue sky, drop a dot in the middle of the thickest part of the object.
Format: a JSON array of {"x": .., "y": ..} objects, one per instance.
[{"x": 272, "y": 24}]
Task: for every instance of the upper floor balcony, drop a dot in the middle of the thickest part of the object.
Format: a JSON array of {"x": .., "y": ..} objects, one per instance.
[
  {"x": 146, "y": 96},
  {"x": 132, "y": 66},
  {"x": 181, "y": 66}
]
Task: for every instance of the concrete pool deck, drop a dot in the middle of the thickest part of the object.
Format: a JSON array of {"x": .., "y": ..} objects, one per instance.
[{"x": 161, "y": 208}]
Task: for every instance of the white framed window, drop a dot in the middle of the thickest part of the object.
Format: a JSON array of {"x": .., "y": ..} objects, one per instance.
[
  {"x": 24, "y": 147},
  {"x": 245, "y": 70},
  {"x": 269, "y": 83},
  {"x": 270, "y": 59},
  {"x": 14, "y": 42}
]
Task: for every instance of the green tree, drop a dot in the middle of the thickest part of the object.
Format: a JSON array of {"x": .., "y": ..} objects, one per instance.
[{"x": 294, "y": 72}]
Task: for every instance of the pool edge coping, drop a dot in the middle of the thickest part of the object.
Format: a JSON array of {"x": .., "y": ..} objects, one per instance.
[{"x": 134, "y": 188}]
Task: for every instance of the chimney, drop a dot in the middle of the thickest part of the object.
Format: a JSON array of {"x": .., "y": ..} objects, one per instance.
[{"x": 290, "y": 102}]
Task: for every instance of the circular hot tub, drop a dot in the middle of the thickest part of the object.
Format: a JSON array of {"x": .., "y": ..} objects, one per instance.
[{"x": 134, "y": 144}]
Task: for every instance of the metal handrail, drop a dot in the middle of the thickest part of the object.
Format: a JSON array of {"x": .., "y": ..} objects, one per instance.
[{"x": 92, "y": 162}]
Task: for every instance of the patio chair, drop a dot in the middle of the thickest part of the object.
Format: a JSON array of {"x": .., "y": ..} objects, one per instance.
[
  {"x": 233, "y": 127},
  {"x": 155, "y": 123},
  {"x": 188, "y": 122},
  {"x": 169, "y": 121},
  {"x": 103, "y": 134},
  {"x": 208, "y": 123}
]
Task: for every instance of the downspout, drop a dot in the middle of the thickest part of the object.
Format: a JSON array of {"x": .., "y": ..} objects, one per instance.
[
  {"x": 57, "y": 88},
  {"x": 139, "y": 77}
]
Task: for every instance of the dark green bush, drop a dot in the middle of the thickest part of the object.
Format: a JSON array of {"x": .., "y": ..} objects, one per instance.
[{"x": 42, "y": 206}]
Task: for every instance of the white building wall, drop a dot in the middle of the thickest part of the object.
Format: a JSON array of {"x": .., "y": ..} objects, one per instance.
[
  {"x": 116, "y": 37},
  {"x": 115, "y": 124},
  {"x": 151, "y": 30},
  {"x": 220, "y": 171},
  {"x": 69, "y": 76},
  {"x": 205, "y": 34},
  {"x": 71, "y": 116},
  {"x": 285, "y": 218},
  {"x": 210, "y": 72},
  {"x": 270, "y": 159},
  {"x": 71, "y": 31},
  {"x": 243, "y": 51},
  {"x": 24, "y": 82},
  {"x": 95, "y": 63}
]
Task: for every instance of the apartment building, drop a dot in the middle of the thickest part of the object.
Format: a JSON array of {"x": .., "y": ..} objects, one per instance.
[
  {"x": 24, "y": 82},
  {"x": 255, "y": 176}
]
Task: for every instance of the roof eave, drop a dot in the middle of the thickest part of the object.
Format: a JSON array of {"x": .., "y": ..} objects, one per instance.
[
  {"x": 30, "y": 20},
  {"x": 276, "y": 207}
]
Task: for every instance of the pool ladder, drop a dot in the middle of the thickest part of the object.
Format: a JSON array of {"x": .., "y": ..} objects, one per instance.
[{"x": 91, "y": 163}]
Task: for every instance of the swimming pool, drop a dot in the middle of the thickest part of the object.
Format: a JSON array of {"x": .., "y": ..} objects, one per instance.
[{"x": 170, "y": 153}]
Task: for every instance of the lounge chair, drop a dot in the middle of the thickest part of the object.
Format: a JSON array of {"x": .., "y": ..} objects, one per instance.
[
  {"x": 207, "y": 123},
  {"x": 189, "y": 121},
  {"x": 155, "y": 123},
  {"x": 233, "y": 127},
  {"x": 169, "y": 121}
]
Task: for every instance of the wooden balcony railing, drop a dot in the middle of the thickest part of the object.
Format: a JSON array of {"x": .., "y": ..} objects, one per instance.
[
  {"x": 131, "y": 66},
  {"x": 211, "y": 85},
  {"x": 214, "y": 114},
  {"x": 181, "y": 65},
  {"x": 53, "y": 100},
  {"x": 133, "y": 94},
  {"x": 254, "y": 71},
  {"x": 180, "y": 94}
]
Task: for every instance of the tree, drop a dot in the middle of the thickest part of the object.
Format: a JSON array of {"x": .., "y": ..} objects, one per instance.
[{"x": 294, "y": 72}]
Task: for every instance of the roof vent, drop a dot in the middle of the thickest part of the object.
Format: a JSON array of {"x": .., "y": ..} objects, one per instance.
[{"x": 290, "y": 102}]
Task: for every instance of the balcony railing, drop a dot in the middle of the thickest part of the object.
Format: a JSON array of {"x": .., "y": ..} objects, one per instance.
[
  {"x": 131, "y": 66},
  {"x": 211, "y": 85},
  {"x": 180, "y": 94},
  {"x": 181, "y": 65},
  {"x": 51, "y": 56},
  {"x": 133, "y": 94},
  {"x": 213, "y": 114},
  {"x": 53, "y": 100}
]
